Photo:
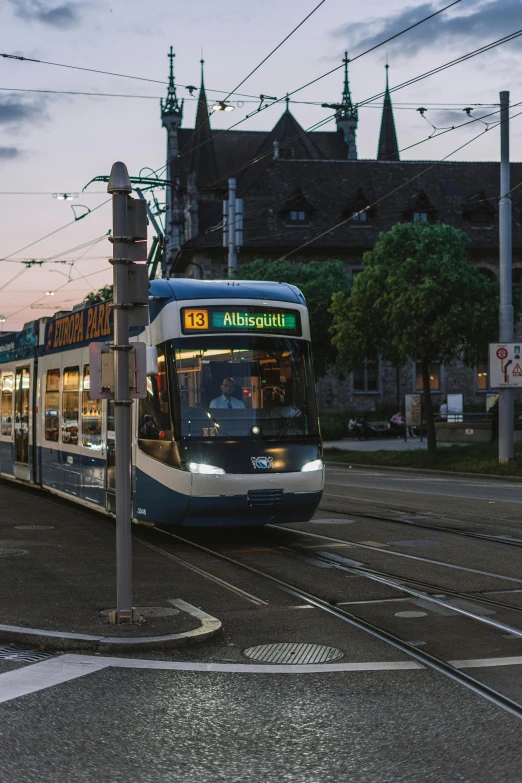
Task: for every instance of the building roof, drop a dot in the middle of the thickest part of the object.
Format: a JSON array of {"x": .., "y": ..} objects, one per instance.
[{"x": 334, "y": 189}]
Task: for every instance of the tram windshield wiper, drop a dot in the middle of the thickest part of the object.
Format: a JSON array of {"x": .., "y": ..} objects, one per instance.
[{"x": 288, "y": 422}]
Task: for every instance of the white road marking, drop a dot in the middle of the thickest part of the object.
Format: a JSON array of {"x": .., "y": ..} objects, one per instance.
[
  {"x": 54, "y": 671},
  {"x": 39, "y": 676}
]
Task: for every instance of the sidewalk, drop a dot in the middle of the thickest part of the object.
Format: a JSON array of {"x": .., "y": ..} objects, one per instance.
[
  {"x": 59, "y": 582},
  {"x": 384, "y": 444}
]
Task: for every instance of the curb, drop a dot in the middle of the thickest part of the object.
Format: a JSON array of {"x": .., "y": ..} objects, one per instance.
[
  {"x": 424, "y": 471},
  {"x": 63, "y": 640}
]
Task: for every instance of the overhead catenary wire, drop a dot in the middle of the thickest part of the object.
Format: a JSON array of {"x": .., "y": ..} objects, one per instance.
[
  {"x": 313, "y": 81},
  {"x": 390, "y": 193},
  {"x": 279, "y": 45},
  {"x": 51, "y": 233}
]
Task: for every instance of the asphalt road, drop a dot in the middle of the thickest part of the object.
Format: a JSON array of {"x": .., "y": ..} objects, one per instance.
[{"x": 210, "y": 713}]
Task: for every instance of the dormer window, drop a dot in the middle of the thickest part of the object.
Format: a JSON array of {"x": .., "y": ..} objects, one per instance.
[
  {"x": 419, "y": 209},
  {"x": 298, "y": 211},
  {"x": 479, "y": 211},
  {"x": 358, "y": 211}
]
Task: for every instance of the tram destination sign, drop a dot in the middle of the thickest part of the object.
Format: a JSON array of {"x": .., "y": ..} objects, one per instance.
[{"x": 195, "y": 320}]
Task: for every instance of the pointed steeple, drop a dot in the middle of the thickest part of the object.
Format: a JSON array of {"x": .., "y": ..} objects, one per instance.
[
  {"x": 171, "y": 104},
  {"x": 348, "y": 109},
  {"x": 347, "y": 116},
  {"x": 203, "y": 161},
  {"x": 388, "y": 147}
]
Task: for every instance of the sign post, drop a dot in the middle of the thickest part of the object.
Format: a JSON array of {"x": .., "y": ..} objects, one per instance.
[
  {"x": 129, "y": 225},
  {"x": 506, "y": 420}
]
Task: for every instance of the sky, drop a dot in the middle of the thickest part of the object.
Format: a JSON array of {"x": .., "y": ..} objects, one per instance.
[{"x": 56, "y": 143}]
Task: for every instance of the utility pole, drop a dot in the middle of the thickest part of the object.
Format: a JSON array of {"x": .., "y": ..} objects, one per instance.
[
  {"x": 129, "y": 224},
  {"x": 232, "y": 251},
  {"x": 506, "y": 419}
]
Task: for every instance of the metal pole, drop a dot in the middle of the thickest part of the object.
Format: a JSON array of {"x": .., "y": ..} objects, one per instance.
[
  {"x": 506, "y": 418},
  {"x": 232, "y": 252},
  {"x": 120, "y": 187}
]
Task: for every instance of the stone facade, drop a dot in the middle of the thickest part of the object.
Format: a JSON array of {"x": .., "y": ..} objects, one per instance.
[{"x": 306, "y": 196}]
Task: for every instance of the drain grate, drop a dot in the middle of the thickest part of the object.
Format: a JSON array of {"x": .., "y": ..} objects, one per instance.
[
  {"x": 7, "y": 552},
  {"x": 296, "y": 653},
  {"x": 24, "y": 656},
  {"x": 416, "y": 542},
  {"x": 34, "y": 527}
]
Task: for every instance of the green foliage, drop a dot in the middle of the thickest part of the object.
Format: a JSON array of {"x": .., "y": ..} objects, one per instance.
[
  {"x": 418, "y": 298},
  {"x": 319, "y": 281},
  {"x": 473, "y": 458},
  {"x": 334, "y": 425},
  {"x": 101, "y": 295}
]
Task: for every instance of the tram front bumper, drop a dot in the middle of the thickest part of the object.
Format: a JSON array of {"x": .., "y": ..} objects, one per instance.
[{"x": 250, "y": 499}]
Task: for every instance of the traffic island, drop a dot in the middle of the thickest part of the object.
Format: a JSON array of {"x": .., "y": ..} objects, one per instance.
[{"x": 59, "y": 583}]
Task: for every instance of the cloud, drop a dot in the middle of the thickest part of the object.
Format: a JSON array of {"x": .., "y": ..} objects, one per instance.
[
  {"x": 15, "y": 110},
  {"x": 62, "y": 16},
  {"x": 9, "y": 152},
  {"x": 449, "y": 117},
  {"x": 487, "y": 21}
]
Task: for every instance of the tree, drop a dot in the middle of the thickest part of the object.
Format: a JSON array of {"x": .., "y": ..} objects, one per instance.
[
  {"x": 319, "y": 281},
  {"x": 101, "y": 295},
  {"x": 417, "y": 298}
]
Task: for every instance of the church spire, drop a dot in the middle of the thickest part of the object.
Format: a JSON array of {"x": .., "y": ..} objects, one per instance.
[
  {"x": 388, "y": 147},
  {"x": 171, "y": 104},
  {"x": 347, "y": 116},
  {"x": 348, "y": 109},
  {"x": 203, "y": 162}
]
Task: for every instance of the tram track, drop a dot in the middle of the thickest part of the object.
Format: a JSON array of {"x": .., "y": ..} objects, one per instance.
[
  {"x": 504, "y": 540},
  {"x": 424, "y": 658}
]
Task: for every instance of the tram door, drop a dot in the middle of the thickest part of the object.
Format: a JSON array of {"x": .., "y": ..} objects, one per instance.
[
  {"x": 21, "y": 423},
  {"x": 110, "y": 439}
]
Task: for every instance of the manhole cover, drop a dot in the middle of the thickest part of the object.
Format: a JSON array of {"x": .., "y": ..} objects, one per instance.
[
  {"x": 34, "y": 527},
  {"x": 414, "y": 542},
  {"x": 410, "y": 615},
  {"x": 287, "y": 652},
  {"x": 150, "y": 612},
  {"x": 24, "y": 656},
  {"x": 7, "y": 552}
]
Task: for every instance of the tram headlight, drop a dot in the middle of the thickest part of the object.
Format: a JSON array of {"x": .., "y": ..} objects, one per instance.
[
  {"x": 316, "y": 464},
  {"x": 256, "y": 430},
  {"x": 201, "y": 468}
]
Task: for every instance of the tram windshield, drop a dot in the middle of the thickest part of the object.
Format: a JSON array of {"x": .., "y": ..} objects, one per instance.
[{"x": 235, "y": 386}]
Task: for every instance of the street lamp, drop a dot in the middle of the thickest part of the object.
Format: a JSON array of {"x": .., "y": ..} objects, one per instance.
[
  {"x": 49, "y": 293},
  {"x": 222, "y": 106},
  {"x": 65, "y": 196}
]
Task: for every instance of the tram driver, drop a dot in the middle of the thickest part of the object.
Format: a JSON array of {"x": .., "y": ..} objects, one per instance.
[{"x": 226, "y": 398}]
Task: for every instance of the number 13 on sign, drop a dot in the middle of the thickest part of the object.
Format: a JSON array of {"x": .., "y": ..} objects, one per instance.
[{"x": 195, "y": 319}]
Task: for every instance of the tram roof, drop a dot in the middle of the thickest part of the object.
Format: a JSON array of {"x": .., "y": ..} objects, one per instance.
[{"x": 180, "y": 288}]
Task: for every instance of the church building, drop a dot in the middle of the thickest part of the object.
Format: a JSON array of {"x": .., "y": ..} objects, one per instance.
[{"x": 306, "y": 194}]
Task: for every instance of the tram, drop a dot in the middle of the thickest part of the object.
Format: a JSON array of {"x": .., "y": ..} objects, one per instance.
[{"x": 228, "y": 433}]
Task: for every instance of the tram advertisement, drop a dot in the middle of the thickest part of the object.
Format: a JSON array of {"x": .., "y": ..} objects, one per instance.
[
  {"x": 20, "y": 345},
  {"x": 79, "y": 327}
]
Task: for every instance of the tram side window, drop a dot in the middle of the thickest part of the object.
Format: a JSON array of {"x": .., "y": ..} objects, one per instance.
[
  {"x": 70, "y": 405},
  {"x": 91, "y": 414},
  {"x": 52, "y": 405},
  {"x": 7, "y": 405},
  {"x": 154, "y": 413}
]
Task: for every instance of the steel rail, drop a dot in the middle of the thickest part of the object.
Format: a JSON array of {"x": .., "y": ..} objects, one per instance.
[
  {"x": 395, "y": 583},
  {"x": 473, "y": 597},
  {"x": 424, "y": 658},
  {"x": 441, "y": 529}
]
